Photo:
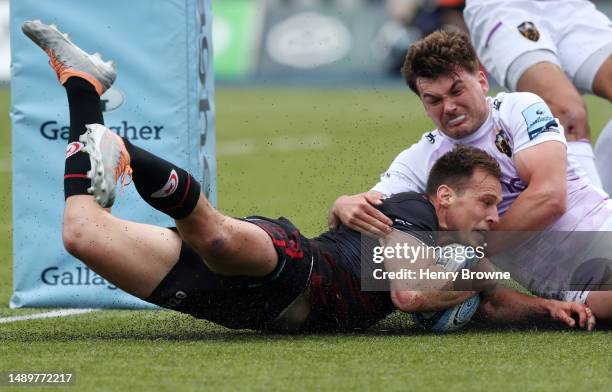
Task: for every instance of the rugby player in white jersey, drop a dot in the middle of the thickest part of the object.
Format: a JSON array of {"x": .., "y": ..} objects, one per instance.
[
  {"x": 540, "y": 191},
  {"x": 554, "y": 49}
]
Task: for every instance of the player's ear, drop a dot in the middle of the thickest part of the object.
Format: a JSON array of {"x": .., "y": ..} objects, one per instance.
[
  {"x": 445, "y": 195},
  {"x": 483, "y": 81}
]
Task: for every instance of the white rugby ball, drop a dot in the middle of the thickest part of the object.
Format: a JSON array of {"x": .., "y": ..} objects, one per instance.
[{"x": 450, "y": 319}]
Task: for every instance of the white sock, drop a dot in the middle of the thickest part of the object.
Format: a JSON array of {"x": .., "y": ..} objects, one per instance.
[
  {"x": 603, "y": 157},
  {"x": 581, "y": 152}
]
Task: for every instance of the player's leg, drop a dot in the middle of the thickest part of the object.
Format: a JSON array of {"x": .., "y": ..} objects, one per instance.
[
  {"x": 228, "y": 246},
  {"x": 133, "y": 256},
  {"x": 585, "y": 51},
  {"x": 603, "y": 156},
  {"x": 596, "y": 75}
]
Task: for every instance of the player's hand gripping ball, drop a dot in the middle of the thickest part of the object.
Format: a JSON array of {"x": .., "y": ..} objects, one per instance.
[{"x": 456, "y": 317}]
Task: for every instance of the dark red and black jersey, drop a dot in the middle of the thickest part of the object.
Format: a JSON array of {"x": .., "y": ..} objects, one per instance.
[
  {"x": 328, "y": 266},
  {"x": 337, "y": 299}
]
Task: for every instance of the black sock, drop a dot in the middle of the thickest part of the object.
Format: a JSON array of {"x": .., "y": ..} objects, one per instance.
[
  {"x": 84, "y": 104},
  {"x": 163, "y": 185}
]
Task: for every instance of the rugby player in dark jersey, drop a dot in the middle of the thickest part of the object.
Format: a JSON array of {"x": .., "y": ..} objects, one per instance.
[{"x": 255, "y": 273}]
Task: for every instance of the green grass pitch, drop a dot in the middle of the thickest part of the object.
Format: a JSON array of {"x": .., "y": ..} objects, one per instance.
[{"x": 291, "y": 152}]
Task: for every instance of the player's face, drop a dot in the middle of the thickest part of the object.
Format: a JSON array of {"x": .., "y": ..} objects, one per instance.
[
  {"x": 475, "y": 209},
  {"x": 456, "y": 103}
]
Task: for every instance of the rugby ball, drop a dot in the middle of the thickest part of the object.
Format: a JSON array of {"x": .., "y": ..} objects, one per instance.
[
  {"x": 450, "y": 319},
  {"x": 454, "y": 318}
]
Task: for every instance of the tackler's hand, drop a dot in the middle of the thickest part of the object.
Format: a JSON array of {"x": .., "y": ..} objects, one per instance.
[{"x": 358, "y": 212}]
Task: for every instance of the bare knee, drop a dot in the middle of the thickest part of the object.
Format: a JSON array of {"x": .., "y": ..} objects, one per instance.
[
  {"x": 230, "y": 246},
  {"x": 214, "y": 244},
  {"x": 73, "y": 234},
  {"x": 79, "y": 232},
  {"x": 217, "y": 246}
]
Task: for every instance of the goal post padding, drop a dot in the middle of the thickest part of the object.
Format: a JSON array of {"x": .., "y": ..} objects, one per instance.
[{"x": 162, "y": 101}]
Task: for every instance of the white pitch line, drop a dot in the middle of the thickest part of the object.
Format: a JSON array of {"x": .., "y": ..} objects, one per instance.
[
  {"x": 282, "y": 143},
  {"x": 236, "y": 147},
  {"x": 55, "y": 313},
  {"x": 302, "y": 142}
]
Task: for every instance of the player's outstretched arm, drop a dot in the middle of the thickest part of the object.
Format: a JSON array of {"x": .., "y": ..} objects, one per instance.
[
  {"x": 414, "y": 294},
  {"x": 428, "y": 301},
  {"x": 507, "y": 306},
  {"x": 358, "y": 212}
]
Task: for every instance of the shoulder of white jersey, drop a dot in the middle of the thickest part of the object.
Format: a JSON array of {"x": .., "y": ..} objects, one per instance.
[
  {"x": 430, "y": 139},
  {"x": 427, "y": 144},
  {"x": 506, "y": 103},
  {"x": 409, "y": 169},
  {"x": 526, "y": 117},
  {"x": 519, "y": 101},
  {"x": 497, "y": 101}
]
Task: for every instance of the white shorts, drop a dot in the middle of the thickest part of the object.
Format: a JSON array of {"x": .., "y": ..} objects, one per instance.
[
  {"x": 601, "y": 249},
  {"x": 565, "y": 264},
  {"x": 571, "y": 31}
]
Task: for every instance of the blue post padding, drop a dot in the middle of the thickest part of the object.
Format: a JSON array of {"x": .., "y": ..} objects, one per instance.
[{"x": 162, "y": 101}]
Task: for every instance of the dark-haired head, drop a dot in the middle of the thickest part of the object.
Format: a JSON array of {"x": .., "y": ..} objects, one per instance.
[
  {"x": 464, "y": 187},
  {"x": 456, "y": 167},
  {"x": 441, "y": 53},
  {"x": 442, "y": 69}
]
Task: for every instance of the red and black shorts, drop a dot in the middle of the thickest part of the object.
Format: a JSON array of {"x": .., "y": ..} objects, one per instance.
[{"x": 239, "y": 302}]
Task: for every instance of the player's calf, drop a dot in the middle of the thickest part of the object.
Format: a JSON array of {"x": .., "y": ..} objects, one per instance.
[{"x": 163, "y": 185}]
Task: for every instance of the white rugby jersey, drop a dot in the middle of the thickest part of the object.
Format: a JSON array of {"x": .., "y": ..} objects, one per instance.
[{"x": 516, "y": 121}]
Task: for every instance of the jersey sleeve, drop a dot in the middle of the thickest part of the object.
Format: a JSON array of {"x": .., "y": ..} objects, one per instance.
[
  {"x": 412, "y": 213},
  {"x": 530, "y": 121}
]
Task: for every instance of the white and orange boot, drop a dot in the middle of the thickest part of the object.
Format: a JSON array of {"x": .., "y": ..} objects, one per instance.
[
  {"x": 69, "y": 60},
  {"x": 109, "y": 160}
]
